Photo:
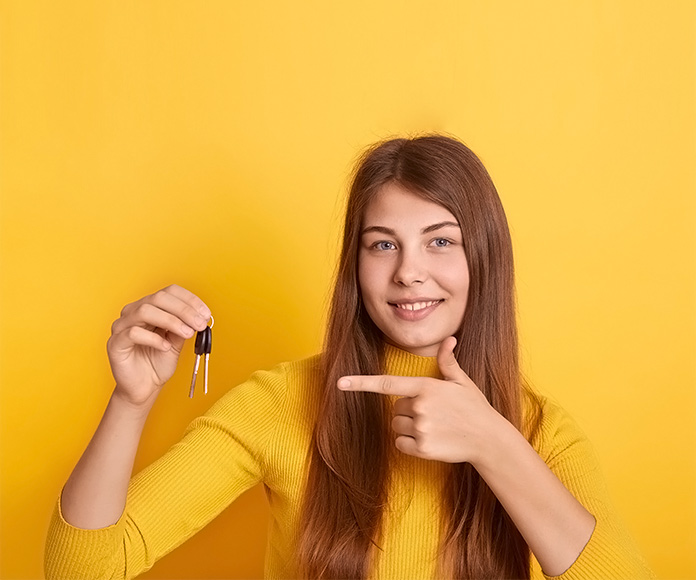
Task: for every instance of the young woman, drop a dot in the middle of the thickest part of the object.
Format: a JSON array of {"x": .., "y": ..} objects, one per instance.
[{"x": 410, "y": 448}]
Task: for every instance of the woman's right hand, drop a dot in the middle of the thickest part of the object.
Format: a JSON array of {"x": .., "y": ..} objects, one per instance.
[{"x": 147, "y": 339}]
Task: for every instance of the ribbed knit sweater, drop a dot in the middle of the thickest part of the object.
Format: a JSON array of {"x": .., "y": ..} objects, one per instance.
[{"x": 260, "y": 431}]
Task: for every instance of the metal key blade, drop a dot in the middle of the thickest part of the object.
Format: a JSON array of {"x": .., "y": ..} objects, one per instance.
[
  {"x": 207, "y": 356},
  {"x": 195, "y": 372}
]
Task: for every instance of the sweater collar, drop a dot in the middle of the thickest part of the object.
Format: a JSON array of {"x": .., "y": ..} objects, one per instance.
[{"x": 403, "y": 363}]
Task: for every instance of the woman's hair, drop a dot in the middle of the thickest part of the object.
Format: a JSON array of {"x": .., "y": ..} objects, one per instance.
[{"x": 352, "y": 441}]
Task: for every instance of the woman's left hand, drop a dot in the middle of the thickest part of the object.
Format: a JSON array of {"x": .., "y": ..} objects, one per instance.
[{"x": 447, "y": 420}]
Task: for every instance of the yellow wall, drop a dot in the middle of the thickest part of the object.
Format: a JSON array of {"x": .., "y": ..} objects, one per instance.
[{"x": 208, "y": 143}]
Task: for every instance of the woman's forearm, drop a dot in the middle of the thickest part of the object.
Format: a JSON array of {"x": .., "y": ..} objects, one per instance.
[
  {"x": 555, "y": 525},
  {"x": 95, "y": 493}
]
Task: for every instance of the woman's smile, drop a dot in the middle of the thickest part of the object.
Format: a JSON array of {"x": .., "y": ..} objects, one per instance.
[{"x": 413, "y": 311}]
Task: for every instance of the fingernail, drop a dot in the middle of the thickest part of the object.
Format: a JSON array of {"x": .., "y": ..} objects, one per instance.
[
  {"x": 205, "y": 312},
  {"x": 344, "y": 384}
]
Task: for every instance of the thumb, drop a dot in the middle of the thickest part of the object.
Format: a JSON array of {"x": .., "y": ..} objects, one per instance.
[{"x": 449, "y": 367}]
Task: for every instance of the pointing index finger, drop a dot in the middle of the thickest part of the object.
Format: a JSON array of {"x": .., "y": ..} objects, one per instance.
[{"x": 383, "y": 384}]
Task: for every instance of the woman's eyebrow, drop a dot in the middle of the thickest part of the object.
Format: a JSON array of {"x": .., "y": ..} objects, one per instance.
[{"x": 425, "y": 230}]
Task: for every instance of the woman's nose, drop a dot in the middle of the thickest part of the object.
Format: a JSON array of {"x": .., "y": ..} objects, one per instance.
[{"x": 410, "y": 269}]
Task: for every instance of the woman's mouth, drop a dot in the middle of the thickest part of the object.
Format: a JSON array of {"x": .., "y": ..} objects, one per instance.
[{"x": 413, "y": 311}]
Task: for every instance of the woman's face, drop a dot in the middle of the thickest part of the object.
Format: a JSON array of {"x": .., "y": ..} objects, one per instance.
[{"x": 412, "y": 270}]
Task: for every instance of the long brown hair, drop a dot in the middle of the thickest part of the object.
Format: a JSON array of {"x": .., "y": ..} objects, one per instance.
[{"x": 351, "y": 445}]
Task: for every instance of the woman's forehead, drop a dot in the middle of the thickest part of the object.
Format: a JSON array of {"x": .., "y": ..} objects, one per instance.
[{"x": 394, "y": 205}]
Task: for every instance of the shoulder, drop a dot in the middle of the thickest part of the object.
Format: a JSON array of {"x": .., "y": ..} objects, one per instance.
[
  {"x": 305, "y": 369},
  {"x": 264, "y": 406},
  {"x": 293, "y": 370},
  {"x": 272, "y": 386}
]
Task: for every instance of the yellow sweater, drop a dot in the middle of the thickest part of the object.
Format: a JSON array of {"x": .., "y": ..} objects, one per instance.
[{"x": 261, "y": 431}]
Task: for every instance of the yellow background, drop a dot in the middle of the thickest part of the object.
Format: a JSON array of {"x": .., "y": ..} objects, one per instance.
[{"x": 208, "y": 144}]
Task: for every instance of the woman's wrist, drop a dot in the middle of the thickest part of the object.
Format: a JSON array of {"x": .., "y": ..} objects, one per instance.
[
  {"x": 499, "y": 439},
  {"x": 137, "y": 410}
]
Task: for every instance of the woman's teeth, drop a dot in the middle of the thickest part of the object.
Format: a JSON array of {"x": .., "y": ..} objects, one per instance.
[{"x": 417, "y": 305}]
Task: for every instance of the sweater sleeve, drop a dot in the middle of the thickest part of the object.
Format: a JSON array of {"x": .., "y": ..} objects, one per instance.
[
  {"x": 221, "y": 455},
  {"x": 610, "y": 552}
]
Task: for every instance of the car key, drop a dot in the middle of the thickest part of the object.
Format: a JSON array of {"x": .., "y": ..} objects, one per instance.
[{"x": 203, "y": 346}]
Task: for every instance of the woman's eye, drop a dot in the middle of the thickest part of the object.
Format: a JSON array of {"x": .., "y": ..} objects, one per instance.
[
  {"x": 383, "y": 245},
  {"x": 441, "y": 242}
]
